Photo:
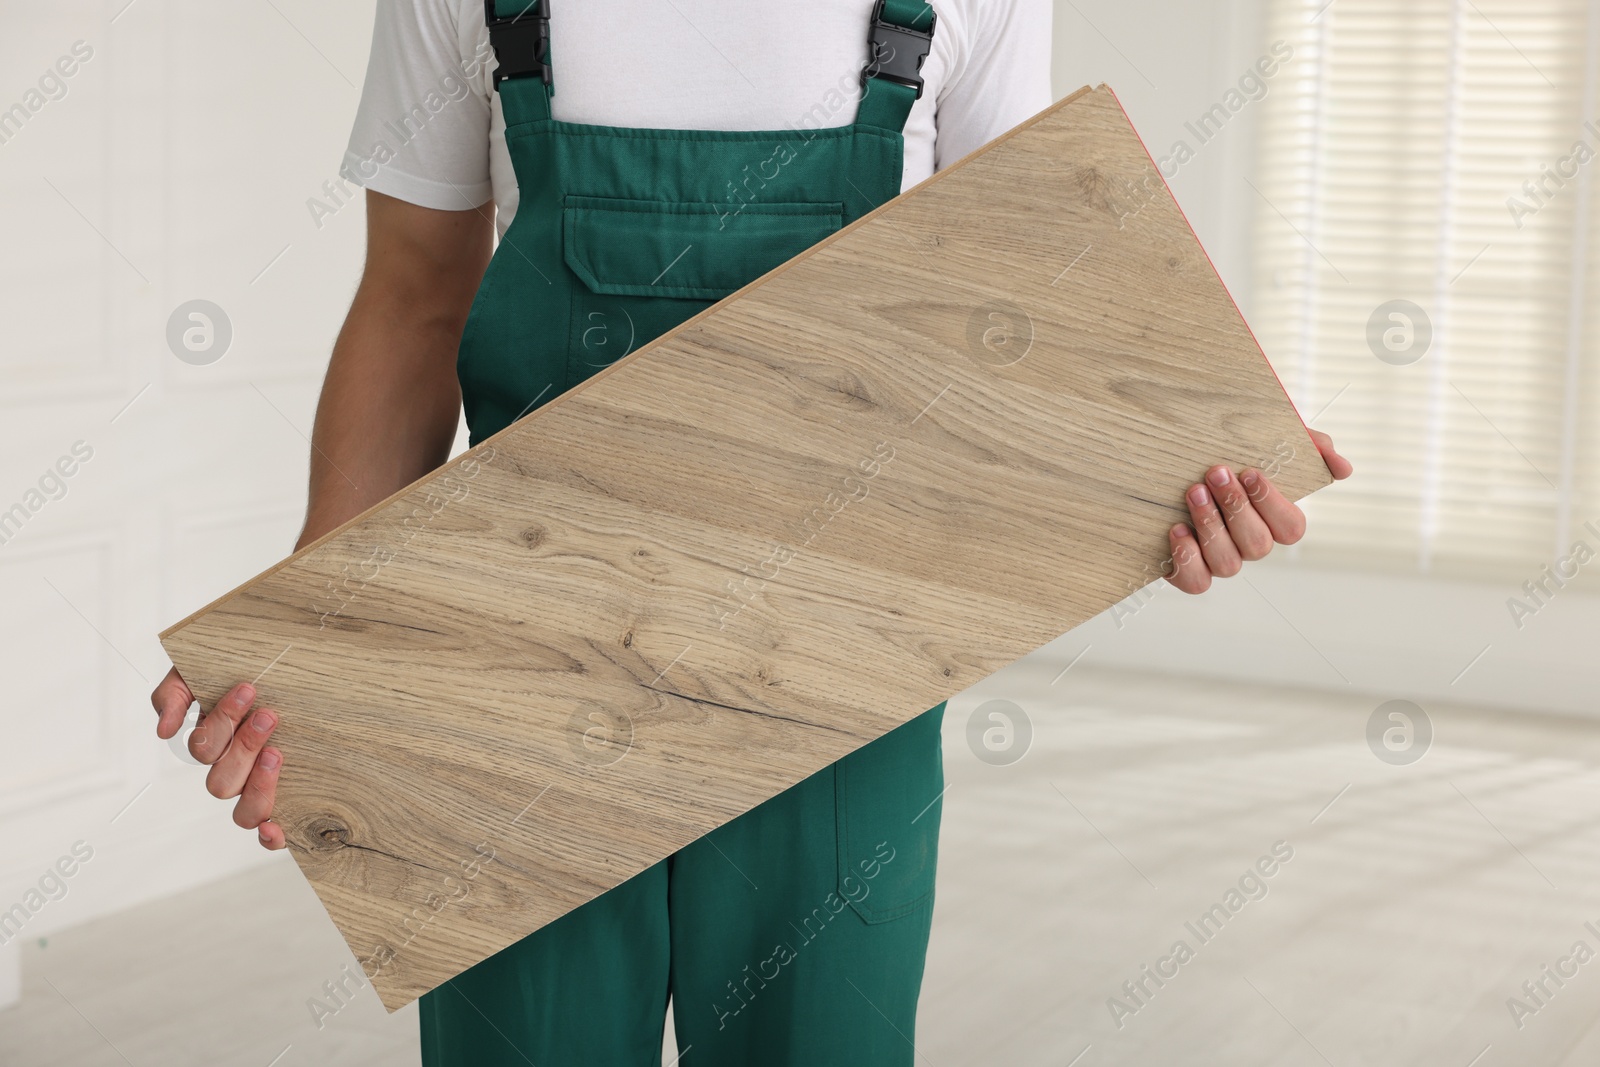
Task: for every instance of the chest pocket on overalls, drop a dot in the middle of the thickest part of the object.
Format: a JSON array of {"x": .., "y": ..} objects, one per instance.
[{"x": 648, "y": 265}]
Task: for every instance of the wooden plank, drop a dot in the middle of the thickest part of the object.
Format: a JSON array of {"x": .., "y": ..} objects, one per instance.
[{"x": 897, "y": 463}]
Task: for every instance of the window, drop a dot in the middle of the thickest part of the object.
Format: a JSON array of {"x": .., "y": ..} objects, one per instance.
[{"x": 1441, "y": 152}]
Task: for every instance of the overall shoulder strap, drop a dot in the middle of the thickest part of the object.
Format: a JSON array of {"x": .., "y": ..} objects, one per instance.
[
  {"x": 519, "y": 33},
  {"x": 898, "y": 40}
]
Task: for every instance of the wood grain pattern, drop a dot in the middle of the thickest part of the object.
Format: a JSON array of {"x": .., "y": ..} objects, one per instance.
[{"x": 911, "y": 455}]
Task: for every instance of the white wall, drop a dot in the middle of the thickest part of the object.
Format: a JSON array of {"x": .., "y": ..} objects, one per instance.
[{"x": 176, "y": 166}]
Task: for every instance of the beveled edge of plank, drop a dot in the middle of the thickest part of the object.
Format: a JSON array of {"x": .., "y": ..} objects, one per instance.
[{"x": 488, "y": 442}]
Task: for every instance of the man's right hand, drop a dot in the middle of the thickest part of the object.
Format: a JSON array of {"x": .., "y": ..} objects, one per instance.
[{"x": 233, "y": 746}]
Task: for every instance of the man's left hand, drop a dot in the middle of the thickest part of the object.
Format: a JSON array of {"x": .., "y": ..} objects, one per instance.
[{"x": 1238, "y": 517}]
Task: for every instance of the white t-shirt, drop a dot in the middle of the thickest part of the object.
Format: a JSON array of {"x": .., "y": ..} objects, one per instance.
[{"x": 430, "y": 130}]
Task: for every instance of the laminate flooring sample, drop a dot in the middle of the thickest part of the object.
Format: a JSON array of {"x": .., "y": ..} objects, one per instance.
[{"x": 912, "y": 454}]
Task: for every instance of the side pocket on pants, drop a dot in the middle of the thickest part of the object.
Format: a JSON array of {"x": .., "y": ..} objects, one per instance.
[{"x": 886, "y": 797}]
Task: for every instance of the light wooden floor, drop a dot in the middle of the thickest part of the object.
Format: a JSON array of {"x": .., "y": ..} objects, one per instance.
[{"x": 1416, "y": 903}]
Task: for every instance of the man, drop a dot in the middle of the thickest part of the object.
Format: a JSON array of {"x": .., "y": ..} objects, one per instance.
[{"x": 691, "y": 147}]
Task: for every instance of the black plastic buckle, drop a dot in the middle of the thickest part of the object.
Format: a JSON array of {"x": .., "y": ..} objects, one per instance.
[
  {"x": 897, "y": 52},
  {"x": 520, "y": 42}
]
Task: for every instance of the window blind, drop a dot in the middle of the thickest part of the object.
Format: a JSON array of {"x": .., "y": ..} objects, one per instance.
[{"x": 1440, "y": 152}]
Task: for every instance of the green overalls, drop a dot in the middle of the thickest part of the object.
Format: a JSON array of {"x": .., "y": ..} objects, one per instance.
[{"x": 795, "y": 934}]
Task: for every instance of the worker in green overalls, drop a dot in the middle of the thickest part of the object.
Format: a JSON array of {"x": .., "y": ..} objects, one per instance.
[{"x": 797, "y": 933}]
